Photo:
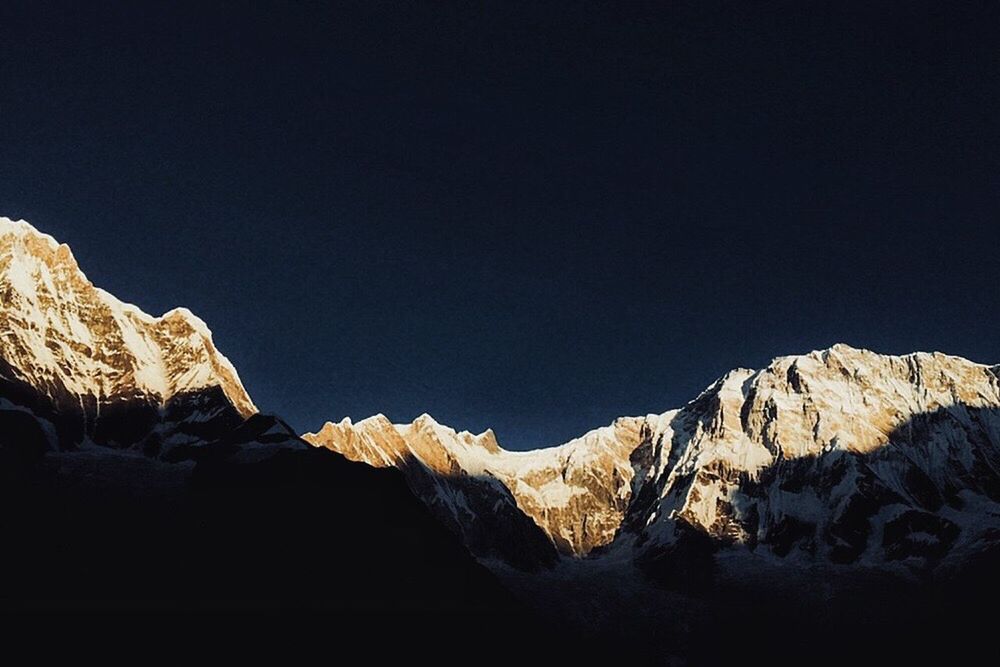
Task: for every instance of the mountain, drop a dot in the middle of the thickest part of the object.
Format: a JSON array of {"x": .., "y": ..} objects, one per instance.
[
  {"x": 136, "y": 475},
  {"x": 92, "y": 369},
  {"x": 840, "y": 487},
  {"x": 839, "y": 494},
  {"x": 840, "y": 454}
]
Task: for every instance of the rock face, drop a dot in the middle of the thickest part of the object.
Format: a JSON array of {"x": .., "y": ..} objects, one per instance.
[
  {"x": 94, "y": 369},
  {"x": 841, "y": 456}
]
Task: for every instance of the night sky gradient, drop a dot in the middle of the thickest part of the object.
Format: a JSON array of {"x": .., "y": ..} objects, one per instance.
[{"x": 528, "y": 216}]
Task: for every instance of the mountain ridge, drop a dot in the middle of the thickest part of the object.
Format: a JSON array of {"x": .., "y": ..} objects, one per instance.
[{"x": 640, "y": 478}]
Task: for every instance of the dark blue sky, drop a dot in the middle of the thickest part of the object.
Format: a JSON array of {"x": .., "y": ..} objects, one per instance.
[{"x": 530, "y": 218}]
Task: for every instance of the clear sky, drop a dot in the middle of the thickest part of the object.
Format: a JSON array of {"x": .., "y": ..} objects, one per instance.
[{"x": 527, "y": 216}]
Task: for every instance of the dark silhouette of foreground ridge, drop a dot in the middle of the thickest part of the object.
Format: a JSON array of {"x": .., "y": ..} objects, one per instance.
[
  {"x": 260, "y": 524},
  {"x": 245, "y": 524}
]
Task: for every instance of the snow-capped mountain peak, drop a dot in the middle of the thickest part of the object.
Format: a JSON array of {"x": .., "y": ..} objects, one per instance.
[{"x": 84, "y": 349}]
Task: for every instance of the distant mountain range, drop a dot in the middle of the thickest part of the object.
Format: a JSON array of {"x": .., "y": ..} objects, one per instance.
[{"x": 842, "y": 484}]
